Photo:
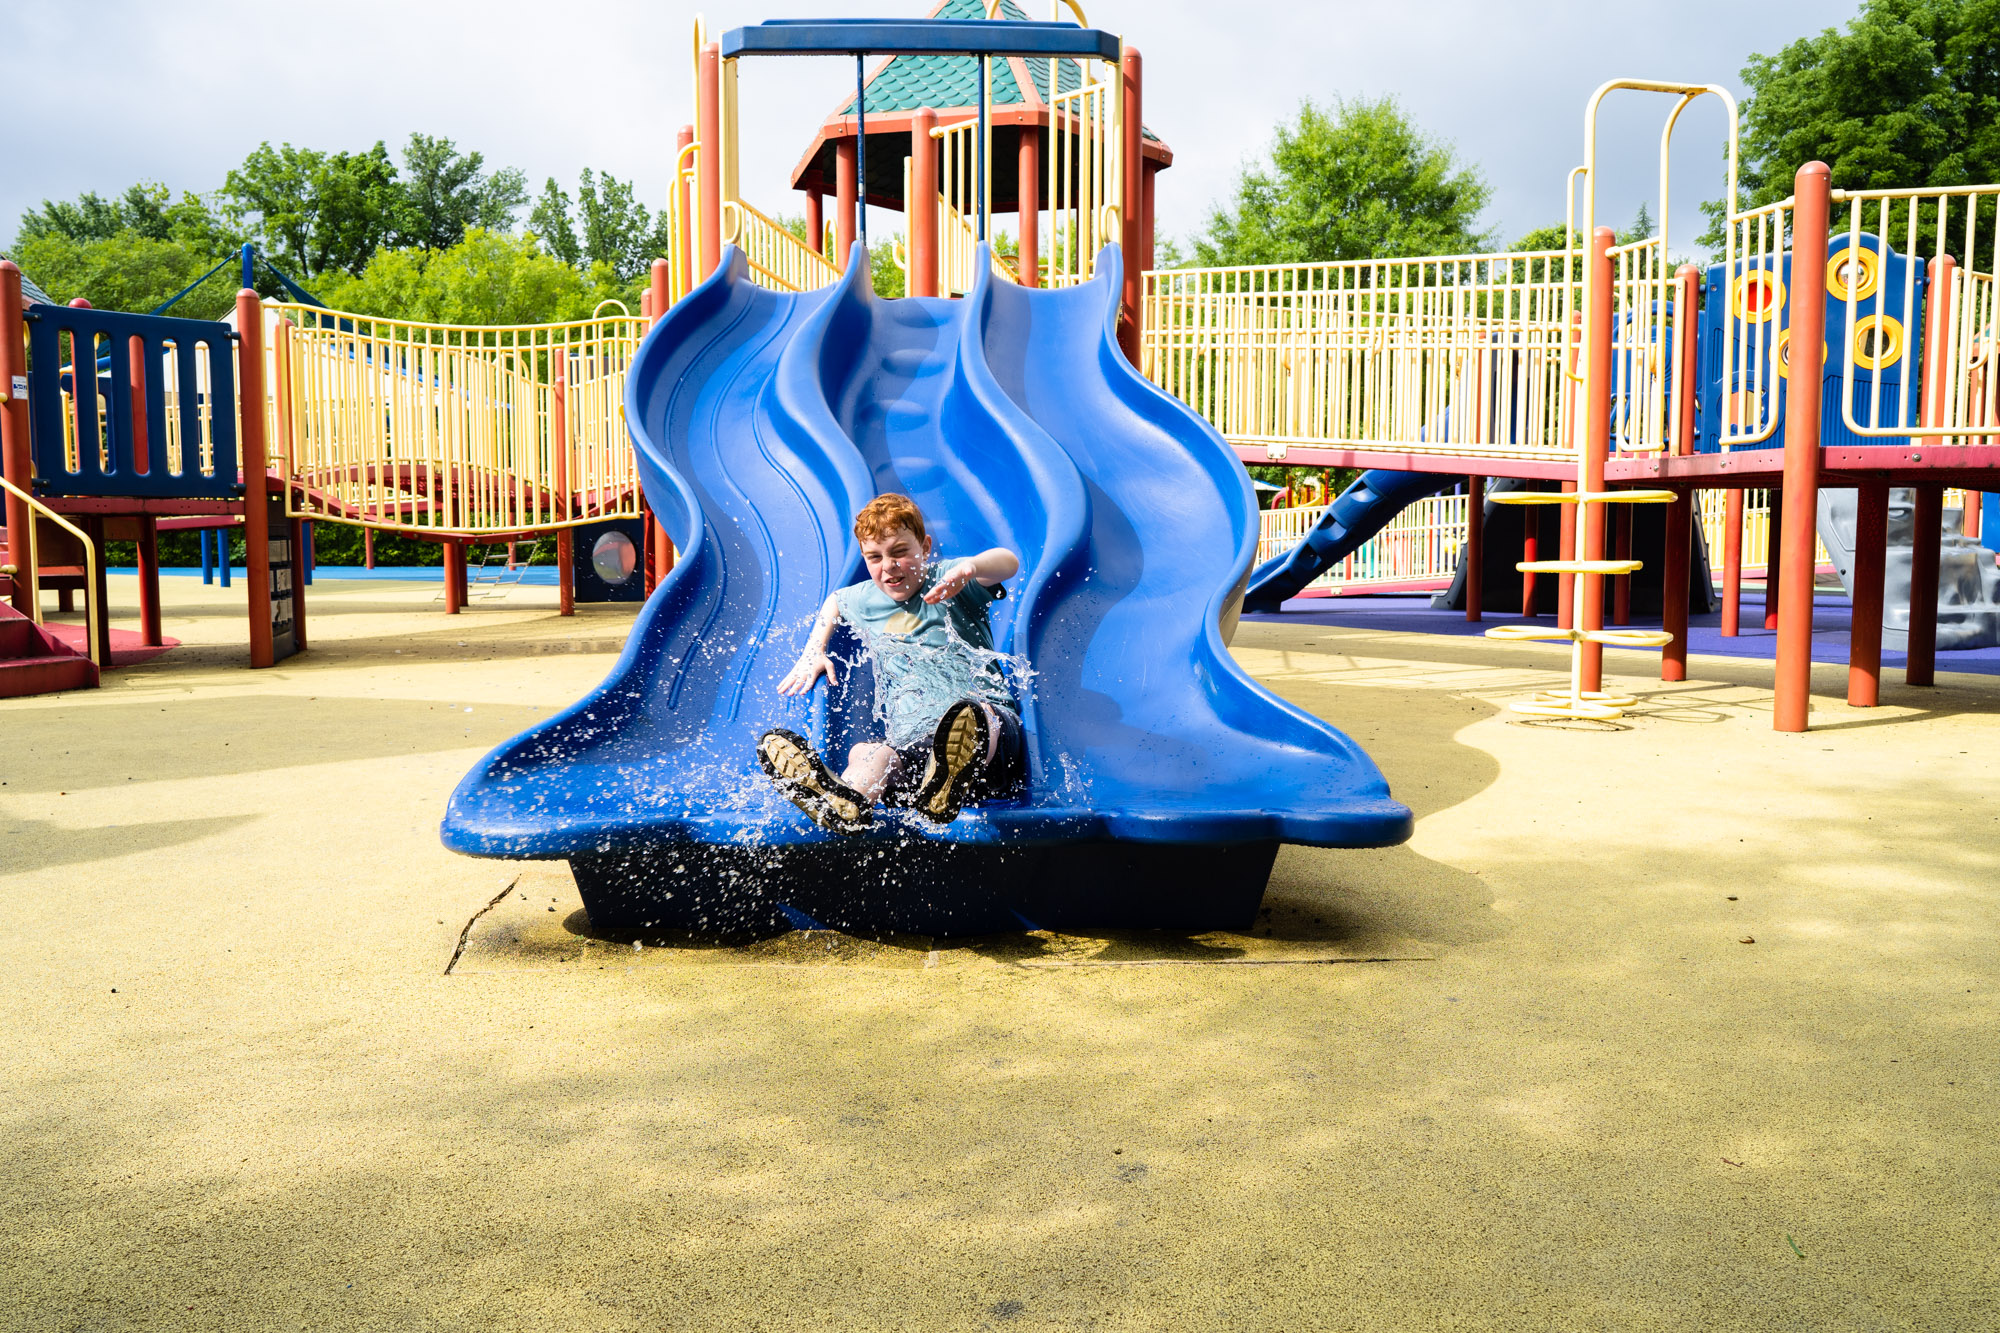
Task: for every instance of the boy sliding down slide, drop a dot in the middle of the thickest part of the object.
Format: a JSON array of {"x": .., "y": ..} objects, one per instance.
[{"x": 952, "y": 728}]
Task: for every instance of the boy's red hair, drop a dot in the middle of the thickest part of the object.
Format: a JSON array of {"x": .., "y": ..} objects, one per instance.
[{"x": 884, "y": 514}]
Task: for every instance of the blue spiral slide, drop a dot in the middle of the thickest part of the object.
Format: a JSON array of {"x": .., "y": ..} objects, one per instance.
[{"x": 1162, "y": 779}]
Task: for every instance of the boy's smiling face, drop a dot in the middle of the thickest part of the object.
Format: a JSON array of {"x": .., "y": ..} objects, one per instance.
[{"x": 896, "y": 562}]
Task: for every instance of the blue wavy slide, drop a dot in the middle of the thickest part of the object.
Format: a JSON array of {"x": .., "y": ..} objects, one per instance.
[
  {"x": 1357, "y": 513},
  {"x": 1162, "y": 779}
]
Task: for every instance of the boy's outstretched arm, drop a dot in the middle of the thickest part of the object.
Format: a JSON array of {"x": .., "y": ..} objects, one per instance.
[
  {"x": 806, "y": 671},
  {"x": 989, "y": 567}
]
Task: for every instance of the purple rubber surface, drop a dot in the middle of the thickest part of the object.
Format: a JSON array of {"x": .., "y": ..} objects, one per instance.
[{"x": 1413, "y": 615}]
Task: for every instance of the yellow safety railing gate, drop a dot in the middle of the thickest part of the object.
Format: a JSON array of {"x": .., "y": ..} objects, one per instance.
[
  {"x": 1085, "y": 190},
  {"x": 1462, "y": 355},
  {"x": 1958, "y": 329},
  {"x": 778, "y": 259},
  {"x": 453, "y": 430}
]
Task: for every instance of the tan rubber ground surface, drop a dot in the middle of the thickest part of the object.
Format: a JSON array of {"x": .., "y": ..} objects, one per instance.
[{"x": 240, "y": 1092}]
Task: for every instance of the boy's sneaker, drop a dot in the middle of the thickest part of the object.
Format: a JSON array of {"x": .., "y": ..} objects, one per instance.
[
  {"x": 958, "y": 758},
  {"x": 789, "y": 761}
]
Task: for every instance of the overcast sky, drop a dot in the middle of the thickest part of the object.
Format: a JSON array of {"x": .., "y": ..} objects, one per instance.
[{"x": 98, "y": 96}]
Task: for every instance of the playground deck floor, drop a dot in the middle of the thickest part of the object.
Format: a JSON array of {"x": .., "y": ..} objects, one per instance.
[{"x": 1685, "y": 1025}]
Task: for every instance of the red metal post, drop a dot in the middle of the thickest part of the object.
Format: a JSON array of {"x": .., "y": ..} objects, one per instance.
[
  {"x": 1531, "y": 550},
  {"x": 843, "y": 202},
  {"x": 708, "y": 113},
  {"x": 256, "y": 474},
  {"x": 149, "y": 581},
  {"x": 660, "y": 289},
  {"x": 1675, "y": 572},
  {"x": 1596, "y": 445},
  {"x": 816, "y": 220},
  {"x": 1132, "y": 319},
  {"x": 1687, "y": 362},
  {"x": 1732, "y": 561},
  {"x": 1029, "y": 159},
  {"x": 1774, "y": 566},
  {"x": 1926, "y": 532},
  {"x": 922, "y": 204},
  {"x": 1475, "y": 547},
  {"x": 454, "y": 576},
  {"x": 15, "y": 460},
  {"x": 368, "y": 548},
  {"x": 1871, "y": 547},
  {"x": 1970, "y": 523},
  {"x": 135, "y": 369},
  {"x": 1793, "y": 701}
]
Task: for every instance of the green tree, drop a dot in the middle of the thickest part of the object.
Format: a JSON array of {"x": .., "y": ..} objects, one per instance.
[
  {"x": 616, "y": 229},
  {"x": 610, "y": 226},
  {"x": 549, "y": 222},
  {"x": 488, "y": 278},
  {"x": 1355, "y": 180},
  {"x": 446, "y": 194},
  {"x": 148, "y": 209},
  {"x": 317, "y": 213},
  {"x": 1555, "y": 236},
  {"x": 124, "y": 271},
  {"x": 1908, "y": 95}
]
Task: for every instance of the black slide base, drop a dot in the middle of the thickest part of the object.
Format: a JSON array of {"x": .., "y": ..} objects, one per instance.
[{"x": 926, "y": 887}]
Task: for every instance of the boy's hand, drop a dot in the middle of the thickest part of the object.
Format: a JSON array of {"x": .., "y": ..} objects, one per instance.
[
  {"x": 953, "y": 582},
  {"x": 805, "y": 674}
]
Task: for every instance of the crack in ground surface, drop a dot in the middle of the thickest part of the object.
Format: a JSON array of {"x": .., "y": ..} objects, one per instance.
[{"x": 473, "y": 920}]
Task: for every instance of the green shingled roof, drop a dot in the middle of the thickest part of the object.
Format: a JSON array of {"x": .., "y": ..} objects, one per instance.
[
  {"x": 952, "y": 82},
  {"x": 30, "y": 293}
]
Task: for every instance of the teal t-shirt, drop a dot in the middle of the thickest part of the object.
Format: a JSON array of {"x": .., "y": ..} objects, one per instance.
[{"x": 926, "y": 657}]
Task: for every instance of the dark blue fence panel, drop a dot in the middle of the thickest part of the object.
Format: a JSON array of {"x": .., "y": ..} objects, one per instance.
[{"x": 107, "y": 461}]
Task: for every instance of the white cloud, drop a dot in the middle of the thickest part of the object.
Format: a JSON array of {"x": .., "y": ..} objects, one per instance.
[{"x": 97, "y": 96}]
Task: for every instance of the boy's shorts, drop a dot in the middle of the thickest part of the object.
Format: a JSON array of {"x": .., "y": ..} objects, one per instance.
[{"x": 1005, "y": 776}]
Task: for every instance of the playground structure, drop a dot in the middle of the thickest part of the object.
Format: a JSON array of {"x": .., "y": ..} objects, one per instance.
[
  {"x": 450, "y": 434},
  {"x": 1602, "y": 371},
  {"x": 1532, "y": 367}
]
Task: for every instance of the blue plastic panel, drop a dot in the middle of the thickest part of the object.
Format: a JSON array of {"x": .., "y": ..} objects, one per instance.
[
  {"x": 1899, "y": 295},
  {"x": 106, "y": 464},
  {"x": 925, "y": 37}
]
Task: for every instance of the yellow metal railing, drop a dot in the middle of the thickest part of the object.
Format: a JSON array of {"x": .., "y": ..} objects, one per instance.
[
  {"x": 1085, "y": 191},
  {"x": 1642, "y": 300},
  {"x": 1421, "y": 544},
  {"x": 1960, "y": 402},
  {"x": 1462, "y": 355},
  {"x": 1755, "y": 333},
  {"x": 29, "y": 572},
  {"x": 778, "y": 259},
  {"x": 454, "y": 429}
]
